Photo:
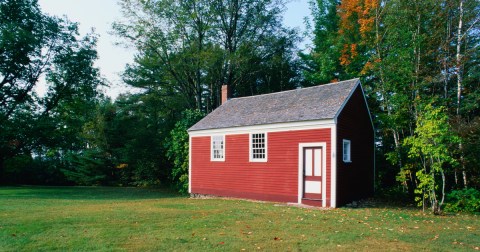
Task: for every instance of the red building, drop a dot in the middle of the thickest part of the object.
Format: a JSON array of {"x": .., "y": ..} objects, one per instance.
[{"x": 311, "y": 145}]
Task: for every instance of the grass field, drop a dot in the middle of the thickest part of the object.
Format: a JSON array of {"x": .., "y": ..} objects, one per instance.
[{"x": 131, "y": 219}]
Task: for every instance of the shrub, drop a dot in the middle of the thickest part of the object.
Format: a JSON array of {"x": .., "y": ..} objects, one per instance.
[
  {"x": 177, "y": 148},
  {"x": 465, "y": 200}
]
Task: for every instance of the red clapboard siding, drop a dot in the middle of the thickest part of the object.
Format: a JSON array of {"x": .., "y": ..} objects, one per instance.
[
  {"x": 274, "y": 180},
  {"x": 355, "y": 179}
]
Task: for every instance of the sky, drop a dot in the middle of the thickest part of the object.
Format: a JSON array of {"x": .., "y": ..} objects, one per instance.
[{"x": 100, "y": 14}]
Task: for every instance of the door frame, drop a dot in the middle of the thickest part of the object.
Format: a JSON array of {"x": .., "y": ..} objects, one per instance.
[{"x": 323, "y": 146}]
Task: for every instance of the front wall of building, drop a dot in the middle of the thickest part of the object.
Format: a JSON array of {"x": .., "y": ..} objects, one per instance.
[{"x": 274, "y": 180}]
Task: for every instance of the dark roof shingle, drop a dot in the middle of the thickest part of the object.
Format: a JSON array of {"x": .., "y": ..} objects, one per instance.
[{"x": 305, "y": 104}]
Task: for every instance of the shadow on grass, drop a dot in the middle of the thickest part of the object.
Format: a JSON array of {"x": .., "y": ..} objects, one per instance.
[
  {"x": 380, "y": 203},
  {"x": 86, "y": 193}
]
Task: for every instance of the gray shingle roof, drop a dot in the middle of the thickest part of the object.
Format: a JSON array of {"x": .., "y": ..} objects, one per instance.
[{"x": 305, "y": 104}]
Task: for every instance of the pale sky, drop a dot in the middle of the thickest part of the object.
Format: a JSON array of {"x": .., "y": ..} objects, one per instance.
[{"x": 100, "y": 14}]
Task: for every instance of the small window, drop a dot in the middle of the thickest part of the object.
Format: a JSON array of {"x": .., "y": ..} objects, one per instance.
[
  {"x": 258, "y": 147},
  {"x": 218, "y": 148},
  {"x": 346, "y": 151}
]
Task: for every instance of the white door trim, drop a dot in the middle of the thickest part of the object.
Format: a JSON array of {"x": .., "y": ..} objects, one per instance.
[
  {"x": 333, "y": 168},
  {"x": 323, "y": 145}
]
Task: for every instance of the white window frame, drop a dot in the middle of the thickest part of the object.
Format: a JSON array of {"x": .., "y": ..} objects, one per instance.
[
  {"x": 347, "y": 158},
  {"x": 212, "y": 157},
  {"x": 250, "y": 148}
]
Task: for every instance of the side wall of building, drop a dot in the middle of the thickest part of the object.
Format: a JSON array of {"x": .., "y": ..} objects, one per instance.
[
  {"x": 274, "y": 180},
  {"x": 355, "y": 178}
]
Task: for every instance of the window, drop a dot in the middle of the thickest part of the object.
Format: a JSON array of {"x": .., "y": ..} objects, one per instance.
[
  {"x": 346, "y": 151},
  {"x": 218, "y": 148},
  {"x": 258, "y": 147}
]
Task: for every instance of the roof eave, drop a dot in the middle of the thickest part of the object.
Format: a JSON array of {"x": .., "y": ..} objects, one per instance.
[{"x": 283, "y": 126}]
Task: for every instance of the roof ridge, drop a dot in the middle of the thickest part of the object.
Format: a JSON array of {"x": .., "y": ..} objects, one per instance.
[{"x": 292, "y": 90}]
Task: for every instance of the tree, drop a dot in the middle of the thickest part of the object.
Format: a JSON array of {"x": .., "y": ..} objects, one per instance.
[
  {"x": 193, "y": 47},
  {"x": 407, "y": 54},
  {"x": 142, "y": 123},
  {"x": 465, "y": 17},
  {"x": 94, "y": 164},
  {"x": 173, "y": 36},
  {"x": 431, "y": 144},
  {"x": 33, "y": 44},
  {"x": 322, "y": 64}
]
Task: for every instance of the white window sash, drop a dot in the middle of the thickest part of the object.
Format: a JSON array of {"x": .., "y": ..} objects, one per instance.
[
  {"x": 258, "y": 147},
  {"x": 217, "y": 148}
]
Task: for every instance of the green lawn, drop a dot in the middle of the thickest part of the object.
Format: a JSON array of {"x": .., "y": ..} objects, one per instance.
[{"x": 112, "y": 219}]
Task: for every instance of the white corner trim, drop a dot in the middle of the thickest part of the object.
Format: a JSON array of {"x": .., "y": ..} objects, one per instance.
[
  {"x": 212, "y": 159},
  {"x": 250, "y": 154},
  {"x": 323, "y": 145},
  {"x": 274, "y": 127},
  {"x": 189, "y": 164},
  {"x": 333, "y": 167}
]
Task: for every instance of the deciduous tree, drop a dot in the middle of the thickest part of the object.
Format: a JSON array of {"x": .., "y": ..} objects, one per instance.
[{"x": 33, "y": 44}]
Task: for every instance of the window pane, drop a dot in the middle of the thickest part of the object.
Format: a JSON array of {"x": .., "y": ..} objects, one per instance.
[
  {"x": 346, "y": 151},
  {"x": 217, "y": 147},
  {"x": 257, "y": 146},
  {"x": 308, "y": 162}
]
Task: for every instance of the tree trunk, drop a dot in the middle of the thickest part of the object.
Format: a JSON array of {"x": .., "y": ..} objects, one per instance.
[
  {"x": 458, "y": 70},
  {"x": 423, "y": 200},
  {"x": 446, "y": 47},
  {"x": 385, "y": 100},
  {"x": 433, "y": 197},
  {"x": 443, "y": 190},
  {"x": 198, "y": 98},
  {"x": 456, "y": 177},
  {"x": 417, "y": 58},
  {"x": 396, "y": 137}
]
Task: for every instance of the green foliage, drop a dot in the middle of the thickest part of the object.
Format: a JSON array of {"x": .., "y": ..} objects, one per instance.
[
  {"x": 23, "y": 169},
  {"x": 127, "y": 137},
  {"x": 465, "y": 200},
  {"x": 33, "y": 44},
  {"x": 469, "y": 131},
  {"x": 407, "y": 54},
  {"x": 433, "y": 138},
  {"x": 190, "y": 48},
  {"x": 90, "y": 167},
  {"x": 426, "y": 188},
  {"x": 178, "y": 148},
  {"x": 431, "y": 145},
  {"x": 15, "y": 168},
  {"x": 322, "y": 64}
]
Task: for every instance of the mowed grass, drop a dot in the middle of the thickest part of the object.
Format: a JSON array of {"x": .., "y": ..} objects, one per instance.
[{"x": 132, "y": 219}]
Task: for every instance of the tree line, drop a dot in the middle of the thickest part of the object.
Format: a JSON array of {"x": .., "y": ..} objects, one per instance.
[{"x": 418, "y": 62}]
